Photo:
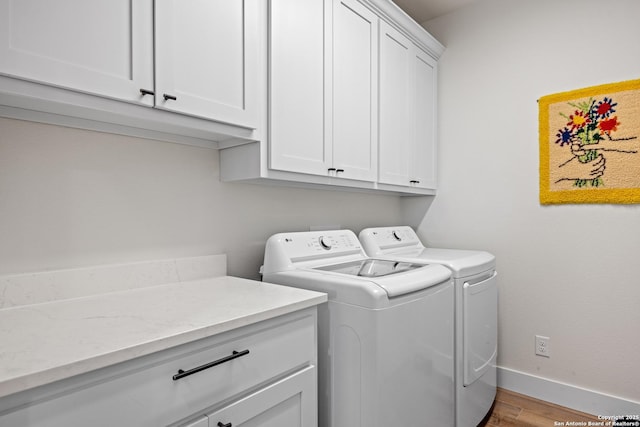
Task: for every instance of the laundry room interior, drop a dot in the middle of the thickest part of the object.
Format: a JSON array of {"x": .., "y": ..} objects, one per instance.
[{"x": 74, "y": 197}]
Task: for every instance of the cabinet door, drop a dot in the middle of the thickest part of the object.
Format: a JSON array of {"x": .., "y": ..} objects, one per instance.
[
  {"x": 355, "y": 77},
  {"x": 103, "y": 47},
  {"x": 424, "y": 155},
  {"x": 396, "y": 98},
  {"x": 290, "y": 402},
  {"x": 297, "y": 140},
  {"x": 200, "y": 422},
  {"x": 206, "y": 59}
]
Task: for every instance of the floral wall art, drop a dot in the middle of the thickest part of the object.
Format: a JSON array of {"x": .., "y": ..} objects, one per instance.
[{"x": 590, "y": 145}]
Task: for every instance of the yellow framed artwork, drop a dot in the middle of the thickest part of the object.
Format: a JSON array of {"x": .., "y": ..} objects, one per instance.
[{"x": 590, "y": 145}]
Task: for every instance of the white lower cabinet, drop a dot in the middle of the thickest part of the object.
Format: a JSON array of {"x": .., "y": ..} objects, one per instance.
[
  {"x": 202, "y": 421},
  {"x": 289, "y": 402},
  {"x": 257, "y": 375}
]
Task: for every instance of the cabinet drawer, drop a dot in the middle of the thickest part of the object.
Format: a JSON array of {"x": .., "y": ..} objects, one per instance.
[
  {"x": 289, "y": 402},
  {"x": 149, "y": 396}
]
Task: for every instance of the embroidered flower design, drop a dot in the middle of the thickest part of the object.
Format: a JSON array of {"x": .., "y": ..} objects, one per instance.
[
  {"x": 605, "y": 107},
  {"x": 591, "y": 122},
  {"x": 609, "y": 125},
  {"x": 578, "y": 120},
  {"x": 565, "y": 136}
]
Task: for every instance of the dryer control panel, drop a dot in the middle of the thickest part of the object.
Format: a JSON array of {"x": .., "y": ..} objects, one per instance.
[{"x": 377, "y": 241}]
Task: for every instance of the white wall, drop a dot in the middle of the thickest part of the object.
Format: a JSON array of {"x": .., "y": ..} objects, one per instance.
[
  {"x": 71, "y": 198},
  {"x": 567, "y": 272}
]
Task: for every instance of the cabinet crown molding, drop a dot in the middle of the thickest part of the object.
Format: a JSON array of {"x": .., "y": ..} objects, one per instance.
[{"x": 402, "y": 22}]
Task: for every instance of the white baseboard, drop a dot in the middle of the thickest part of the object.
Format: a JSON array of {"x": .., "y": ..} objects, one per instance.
[{"x": 570, "y": 396}]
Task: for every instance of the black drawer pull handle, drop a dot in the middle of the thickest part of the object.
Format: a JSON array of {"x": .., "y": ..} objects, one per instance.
[
  {"x": 167, "y": 97},
  {"x": 147, "y": 92},
  {"x": 224, "y": 425},
  {"x": 414, "y": 182},
  {"x": 331, "y": 169},
  {"x": 339, "y": 170},
  {"x": 234, "y": 355}
]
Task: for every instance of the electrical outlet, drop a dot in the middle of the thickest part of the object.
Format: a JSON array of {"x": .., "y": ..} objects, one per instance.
[{"x": 542, "y": 346}]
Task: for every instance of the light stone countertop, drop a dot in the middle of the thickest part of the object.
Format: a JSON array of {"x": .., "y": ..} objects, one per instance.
[{"x": 43, "y": 343}]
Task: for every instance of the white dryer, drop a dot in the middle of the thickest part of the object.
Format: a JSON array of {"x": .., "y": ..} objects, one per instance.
[
  {"x": 385, "y": 336},
  {"x": 476, "y": 313}
]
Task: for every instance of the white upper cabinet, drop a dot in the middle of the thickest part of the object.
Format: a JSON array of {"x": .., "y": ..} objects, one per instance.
[
  {"x": 408, "y": 78},
  {"x": 206, "y": 58},
  {"x": 351, "y": 99},
  {"x": 198, "y": 58},
  {"x": 297, "y": 141},
  {"x": 396, "y": 97},
  {"x": 103, "y": 47},
  {"x": 423, "y": 168},
  {"x": 355, "y": 92},
  {"x": 323, "y": 76}
]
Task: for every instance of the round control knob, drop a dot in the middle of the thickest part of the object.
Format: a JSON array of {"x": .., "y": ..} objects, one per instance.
[
  {"x": 324, "y": 243},
  {"x": 395, "y": 236}
]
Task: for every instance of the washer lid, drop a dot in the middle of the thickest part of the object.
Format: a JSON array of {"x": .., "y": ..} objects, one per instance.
[
  {"x": 462, "y": 263},
  {"x": 395, "y": 277},
  {"x": 371, "y": 267}
]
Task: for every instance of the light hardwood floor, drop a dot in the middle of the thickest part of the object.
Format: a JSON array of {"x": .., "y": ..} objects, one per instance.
[{"x": 514, "y": 409}]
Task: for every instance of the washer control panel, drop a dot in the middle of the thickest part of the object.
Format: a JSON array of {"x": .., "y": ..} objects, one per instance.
[{"x": 319, "y": 243}]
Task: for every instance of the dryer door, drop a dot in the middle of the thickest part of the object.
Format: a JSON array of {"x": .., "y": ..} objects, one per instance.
[{"x": 480, "y": 327}]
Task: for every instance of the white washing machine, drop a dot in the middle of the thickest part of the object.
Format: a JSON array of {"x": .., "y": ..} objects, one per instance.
[
  {"x": 385, "y": 336},
  {"x": 476, "y": 313}
]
